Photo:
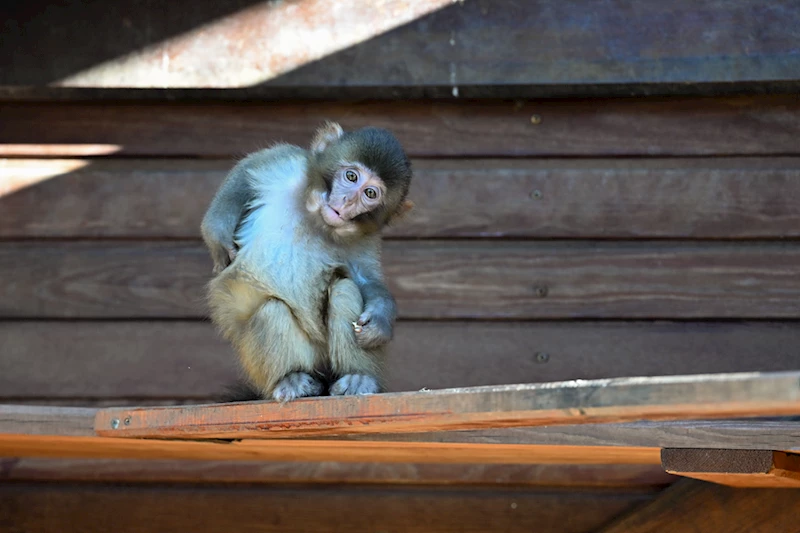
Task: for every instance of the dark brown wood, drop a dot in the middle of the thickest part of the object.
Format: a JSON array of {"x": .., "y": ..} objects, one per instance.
[
  {"x": 541, "y": 198},
  {"x": 763, "y": 125},
  {"x": 101, "y": 508},
  {"x": 737, "y": 468},
  {"x": 108, "y": 362},
  {"x": 176, "y": 471},
  {"x": 431, "y": 279},
  {"x": 39, "y": 420},
  {"x": 481, "y": 42},
  {"x": 562, "y": 403},
  {"x": 690, "y": 506},
  {"x": 310, "y": 450}
]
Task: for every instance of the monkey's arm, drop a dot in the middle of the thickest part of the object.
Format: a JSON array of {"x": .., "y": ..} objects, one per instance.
[
  {"x": 223, "y": 216},
  {"x": 380, "y": 310}
]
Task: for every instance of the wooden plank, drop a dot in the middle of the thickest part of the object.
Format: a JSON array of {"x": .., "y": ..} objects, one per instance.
[
  {"x": 109, "y": 362},
  {"x": 37, "y": 420},
  {"x": 541, "y": 198},
  {"x": 642, "y": 476},
  {"x": 302, "y": 450},
  {"x": 101, "y": 508},
  {"x": 690, "y": 506},
  {"x": 736, "y": 468},
  {"x": 573, "y": 402},
  {"x": 431, "y": 279},
  {"x": 381, "y": 43},
  {"x": 762, "y": 125}
]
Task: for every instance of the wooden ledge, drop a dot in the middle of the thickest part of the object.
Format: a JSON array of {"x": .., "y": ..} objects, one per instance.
[{"x": 572, "y": 402}]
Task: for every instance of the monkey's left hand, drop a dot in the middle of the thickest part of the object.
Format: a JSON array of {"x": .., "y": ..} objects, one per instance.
[{"x": 374, "y": 329}]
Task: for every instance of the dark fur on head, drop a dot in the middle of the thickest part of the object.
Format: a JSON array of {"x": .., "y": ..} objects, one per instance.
[{"x": 381, "y": 152}]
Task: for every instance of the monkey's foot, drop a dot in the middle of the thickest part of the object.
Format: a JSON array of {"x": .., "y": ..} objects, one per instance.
[
  {"x": 296, "y": 385},
  {"x": 355, "y": 384}
]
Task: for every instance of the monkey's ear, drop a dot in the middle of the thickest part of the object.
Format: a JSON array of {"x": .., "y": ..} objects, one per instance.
[
  {"x": 326, "y": 134},
  {"x": 403, "y": 209}
]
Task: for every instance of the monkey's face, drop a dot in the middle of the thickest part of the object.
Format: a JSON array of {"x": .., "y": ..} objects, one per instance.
[{"x": 355, "y": 190}]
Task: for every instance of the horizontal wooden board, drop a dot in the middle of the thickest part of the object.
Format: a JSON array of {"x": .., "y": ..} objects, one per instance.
[
  {"x": 309, "y": 450},
  {"x": 401, "y": 45},
  {"x": 736, "y": 468},
  {"x": 539, "y": 198},
  {"x": 760, "y": 125},
  {"x": 696, "y": 397},
  {"x": 431, "y": 279},
  {"x": 252, "y": 472},
  {"x": 181, "y": 361},
  {"x": 101, "y": 508},
  {"x": 690, "y": 506}
]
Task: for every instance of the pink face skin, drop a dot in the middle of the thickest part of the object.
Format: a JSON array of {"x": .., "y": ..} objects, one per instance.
[{"x": 355, "y": 190}]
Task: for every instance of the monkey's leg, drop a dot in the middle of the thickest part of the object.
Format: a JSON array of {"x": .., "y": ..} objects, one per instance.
[
  {"x": 277, "y": 355},
  {"x": 358, "y": 370}
]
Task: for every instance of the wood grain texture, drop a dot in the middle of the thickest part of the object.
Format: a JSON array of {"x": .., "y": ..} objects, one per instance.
[
  {"x": 43, "y": 420},
  {"x": 736, "y": 468},
  {"x": 472, "y": 43},
  {"x": 332, "y": 473},
  {"x": 705, "y": 507},
  {"x": 572, "y": 402},
  {"x": 762, "y": 125},
  {"x": 108, "y": 362},
  {"x": 538, "y": 198},
  {"x": 102, "y": 508},
  {"x": 309, "y": 450},
  {"x": 431, "y": 279}
]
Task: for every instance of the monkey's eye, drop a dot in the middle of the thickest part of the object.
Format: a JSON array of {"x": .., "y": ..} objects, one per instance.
[
  {"x": 371, "y": 193},
  {"x": 351, "y": 176}
]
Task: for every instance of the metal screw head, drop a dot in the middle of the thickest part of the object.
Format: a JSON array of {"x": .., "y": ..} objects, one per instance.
[
  {"x": 540, "y": 291},
  {"x": 127, "y": 421},
  {"x": 115, "y": 423},
  {"x": 537, "y": 194},
  {"x": 542, "y": 357},
  {"x": 536, "y": 119}
]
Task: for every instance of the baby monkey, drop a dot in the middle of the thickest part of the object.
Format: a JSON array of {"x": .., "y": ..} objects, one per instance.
[{"x": 295, "y": 239}]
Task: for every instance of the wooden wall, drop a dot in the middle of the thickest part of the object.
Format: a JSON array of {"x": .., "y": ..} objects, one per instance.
[{"x": 600, "y": 192}]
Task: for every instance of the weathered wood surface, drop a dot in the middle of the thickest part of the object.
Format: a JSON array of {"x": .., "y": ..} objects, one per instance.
[
  {"x": 690, "y": 506},
  {"x": 104, "y": 362},
  {"x": 736, "y": 468},
  {"x": 374, "y": 44},
  {"x": 153, "y": 509},
  {"x": 431, "y": 279},
  {"x": 310, "y": 450},
  {"x": 643, "y": 476},
  {"x": 762, "y": 125},
  {"x": 574, "y": 402},
  {"x": 42, "y": 420},
  {"x": 540, "y": 198}
]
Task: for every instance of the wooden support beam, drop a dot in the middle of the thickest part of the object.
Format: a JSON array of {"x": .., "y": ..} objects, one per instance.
[
  {"x": 571, "y": 402},
  {"x": 691, "y": 506},
  {"x": 736, "y": 468}
]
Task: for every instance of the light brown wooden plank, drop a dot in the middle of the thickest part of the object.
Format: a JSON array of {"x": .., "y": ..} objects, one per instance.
[
  {"x": 763, "y": 125},
  {"x": 470, "y": 43},
  {"x": 431, "y": 279},
  {"x": 102, "y": 508},
  {"x": 690, "y": 506},
  {"x": 104, "y": 362},
  {"x": 573, "y": 402},
  {"x": 642, "y": 476},
  {"x": 736, "y": 468},
  {"x": 293, "y": 450},
  {"x": 541, "y": 198}
]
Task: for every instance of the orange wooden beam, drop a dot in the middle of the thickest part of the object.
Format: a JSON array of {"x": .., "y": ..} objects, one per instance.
[{"x": 573, "y": 402}]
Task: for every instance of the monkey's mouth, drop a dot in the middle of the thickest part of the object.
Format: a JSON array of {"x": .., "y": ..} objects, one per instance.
[{"x": 332, "y": 217}]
